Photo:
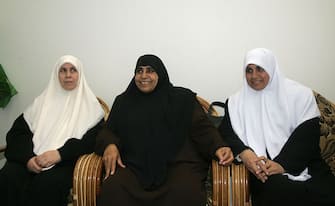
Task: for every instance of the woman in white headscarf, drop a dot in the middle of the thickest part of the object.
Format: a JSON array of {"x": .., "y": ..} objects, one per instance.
[
  {"x": 46, "y": 140},
  {"x": 272, "y": 125}
]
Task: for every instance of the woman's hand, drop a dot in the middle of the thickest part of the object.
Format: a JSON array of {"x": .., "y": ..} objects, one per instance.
[
  {"x": 224, "y": 155},
  {"x": 48, "y": 158},
  {"x": 254, "y": 164},
  {"x": 33, "y": 166},
  {"x": 271, "y": 167},
  {"x": 110, "y": 157}
]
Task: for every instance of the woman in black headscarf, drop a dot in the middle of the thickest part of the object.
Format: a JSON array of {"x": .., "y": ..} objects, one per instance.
[{"x": 160, "y": 139}]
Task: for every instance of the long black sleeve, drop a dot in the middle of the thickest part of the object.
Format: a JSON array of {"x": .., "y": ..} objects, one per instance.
[
  {"x": 20, "y": 145},
  {"x": 73, "y": 147},
  {"x": 229, "y": 136},
  {"x": 19, "y": 142},
  {"x": 301, "y": 148},
  {"x": 106, "y": 136},
  {"x": 203, "y": 133}
]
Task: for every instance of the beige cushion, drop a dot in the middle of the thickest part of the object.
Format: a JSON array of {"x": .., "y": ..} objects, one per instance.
[{"x": 327, "y": 129}]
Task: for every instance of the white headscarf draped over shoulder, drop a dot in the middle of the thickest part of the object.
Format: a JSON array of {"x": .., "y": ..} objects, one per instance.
[
  {"x": 58, "y": 114},
  {"x": 265, "y": 119}
]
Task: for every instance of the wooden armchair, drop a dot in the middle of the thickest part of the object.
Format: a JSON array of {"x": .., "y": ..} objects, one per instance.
[{"x": 88, "y": 177}]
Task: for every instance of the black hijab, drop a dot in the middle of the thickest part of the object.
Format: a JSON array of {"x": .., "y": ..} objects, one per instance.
[{"x": 152, "y": 127}]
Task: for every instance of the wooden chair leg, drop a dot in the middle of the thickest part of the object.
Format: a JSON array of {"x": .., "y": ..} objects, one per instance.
[
  {"x": 87, "y": 179},
  {"x": 240, "y": 185},
  {"x": 221, "y": 184}
]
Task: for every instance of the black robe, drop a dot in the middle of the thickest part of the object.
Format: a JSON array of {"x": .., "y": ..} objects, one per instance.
[{"x": 186, "y": 173}]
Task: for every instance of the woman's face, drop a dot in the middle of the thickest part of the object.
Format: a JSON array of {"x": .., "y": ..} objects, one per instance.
[
  {"x": 257, "y": 77},
  {"x": 68, "y": 76},
  {"x": 146, "y": 79}
]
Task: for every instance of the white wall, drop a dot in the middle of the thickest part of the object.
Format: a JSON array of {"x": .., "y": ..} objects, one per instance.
[{"x": 201, "y": 42}]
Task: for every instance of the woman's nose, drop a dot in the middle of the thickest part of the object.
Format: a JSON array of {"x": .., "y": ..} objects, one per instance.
[
  {"x": 143, "y": 74},
  {"x": 254, "y": 74},
  {"x": 68, "y": 74}
]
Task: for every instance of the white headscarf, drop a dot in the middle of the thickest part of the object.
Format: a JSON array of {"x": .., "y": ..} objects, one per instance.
[
  {"x": 265, "y": 119},
  {"x": 58, "y": 114}
]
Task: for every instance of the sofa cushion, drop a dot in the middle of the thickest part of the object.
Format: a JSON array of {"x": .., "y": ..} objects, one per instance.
[{"x": 327, "y": 130}]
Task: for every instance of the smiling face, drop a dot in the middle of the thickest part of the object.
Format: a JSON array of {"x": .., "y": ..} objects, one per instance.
[
  {"x": 68, "y": 76},
  {"x": 146, "y": 79},
  {"x": 257, "y": 77}
]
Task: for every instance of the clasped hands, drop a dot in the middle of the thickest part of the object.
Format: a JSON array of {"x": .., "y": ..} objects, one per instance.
[
  {"x": 47, "y": 159},
  {"x": 260, "y": 166}
]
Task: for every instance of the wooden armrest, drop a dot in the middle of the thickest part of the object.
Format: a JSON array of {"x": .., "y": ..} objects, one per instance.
[
  {"x": 230, "y": 185},
  {"x": 87, "y": 178},
  {"x": 240, "y": 185},
  {"x": 221, "y": 184},
  {"x": 87, "y": 175}
]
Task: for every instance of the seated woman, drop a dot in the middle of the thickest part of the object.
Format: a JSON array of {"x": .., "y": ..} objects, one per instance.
[
  {"x": 158, "y": 143},
  {"x": 46, "y": 140},
  {"x": 272, "y": 125}
]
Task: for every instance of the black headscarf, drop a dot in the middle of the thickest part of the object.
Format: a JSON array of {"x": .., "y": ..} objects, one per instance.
[{"x": 152, "y": 127}]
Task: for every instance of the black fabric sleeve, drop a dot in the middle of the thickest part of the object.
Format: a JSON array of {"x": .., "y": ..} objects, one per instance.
[
  {"x": 229, "y": 136},
  {"x": 105, "y": 138},
  {"x": 73, "y": 147},
  {"x": 301, "y": 148},
  {"x": 204, "y": 134},
  {"x": 19, "y": 142},
  {"x": 106, "y": 135}
]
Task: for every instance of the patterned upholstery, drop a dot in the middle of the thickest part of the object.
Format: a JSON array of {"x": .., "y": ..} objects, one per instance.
[{"x": 327, "y": 129}]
